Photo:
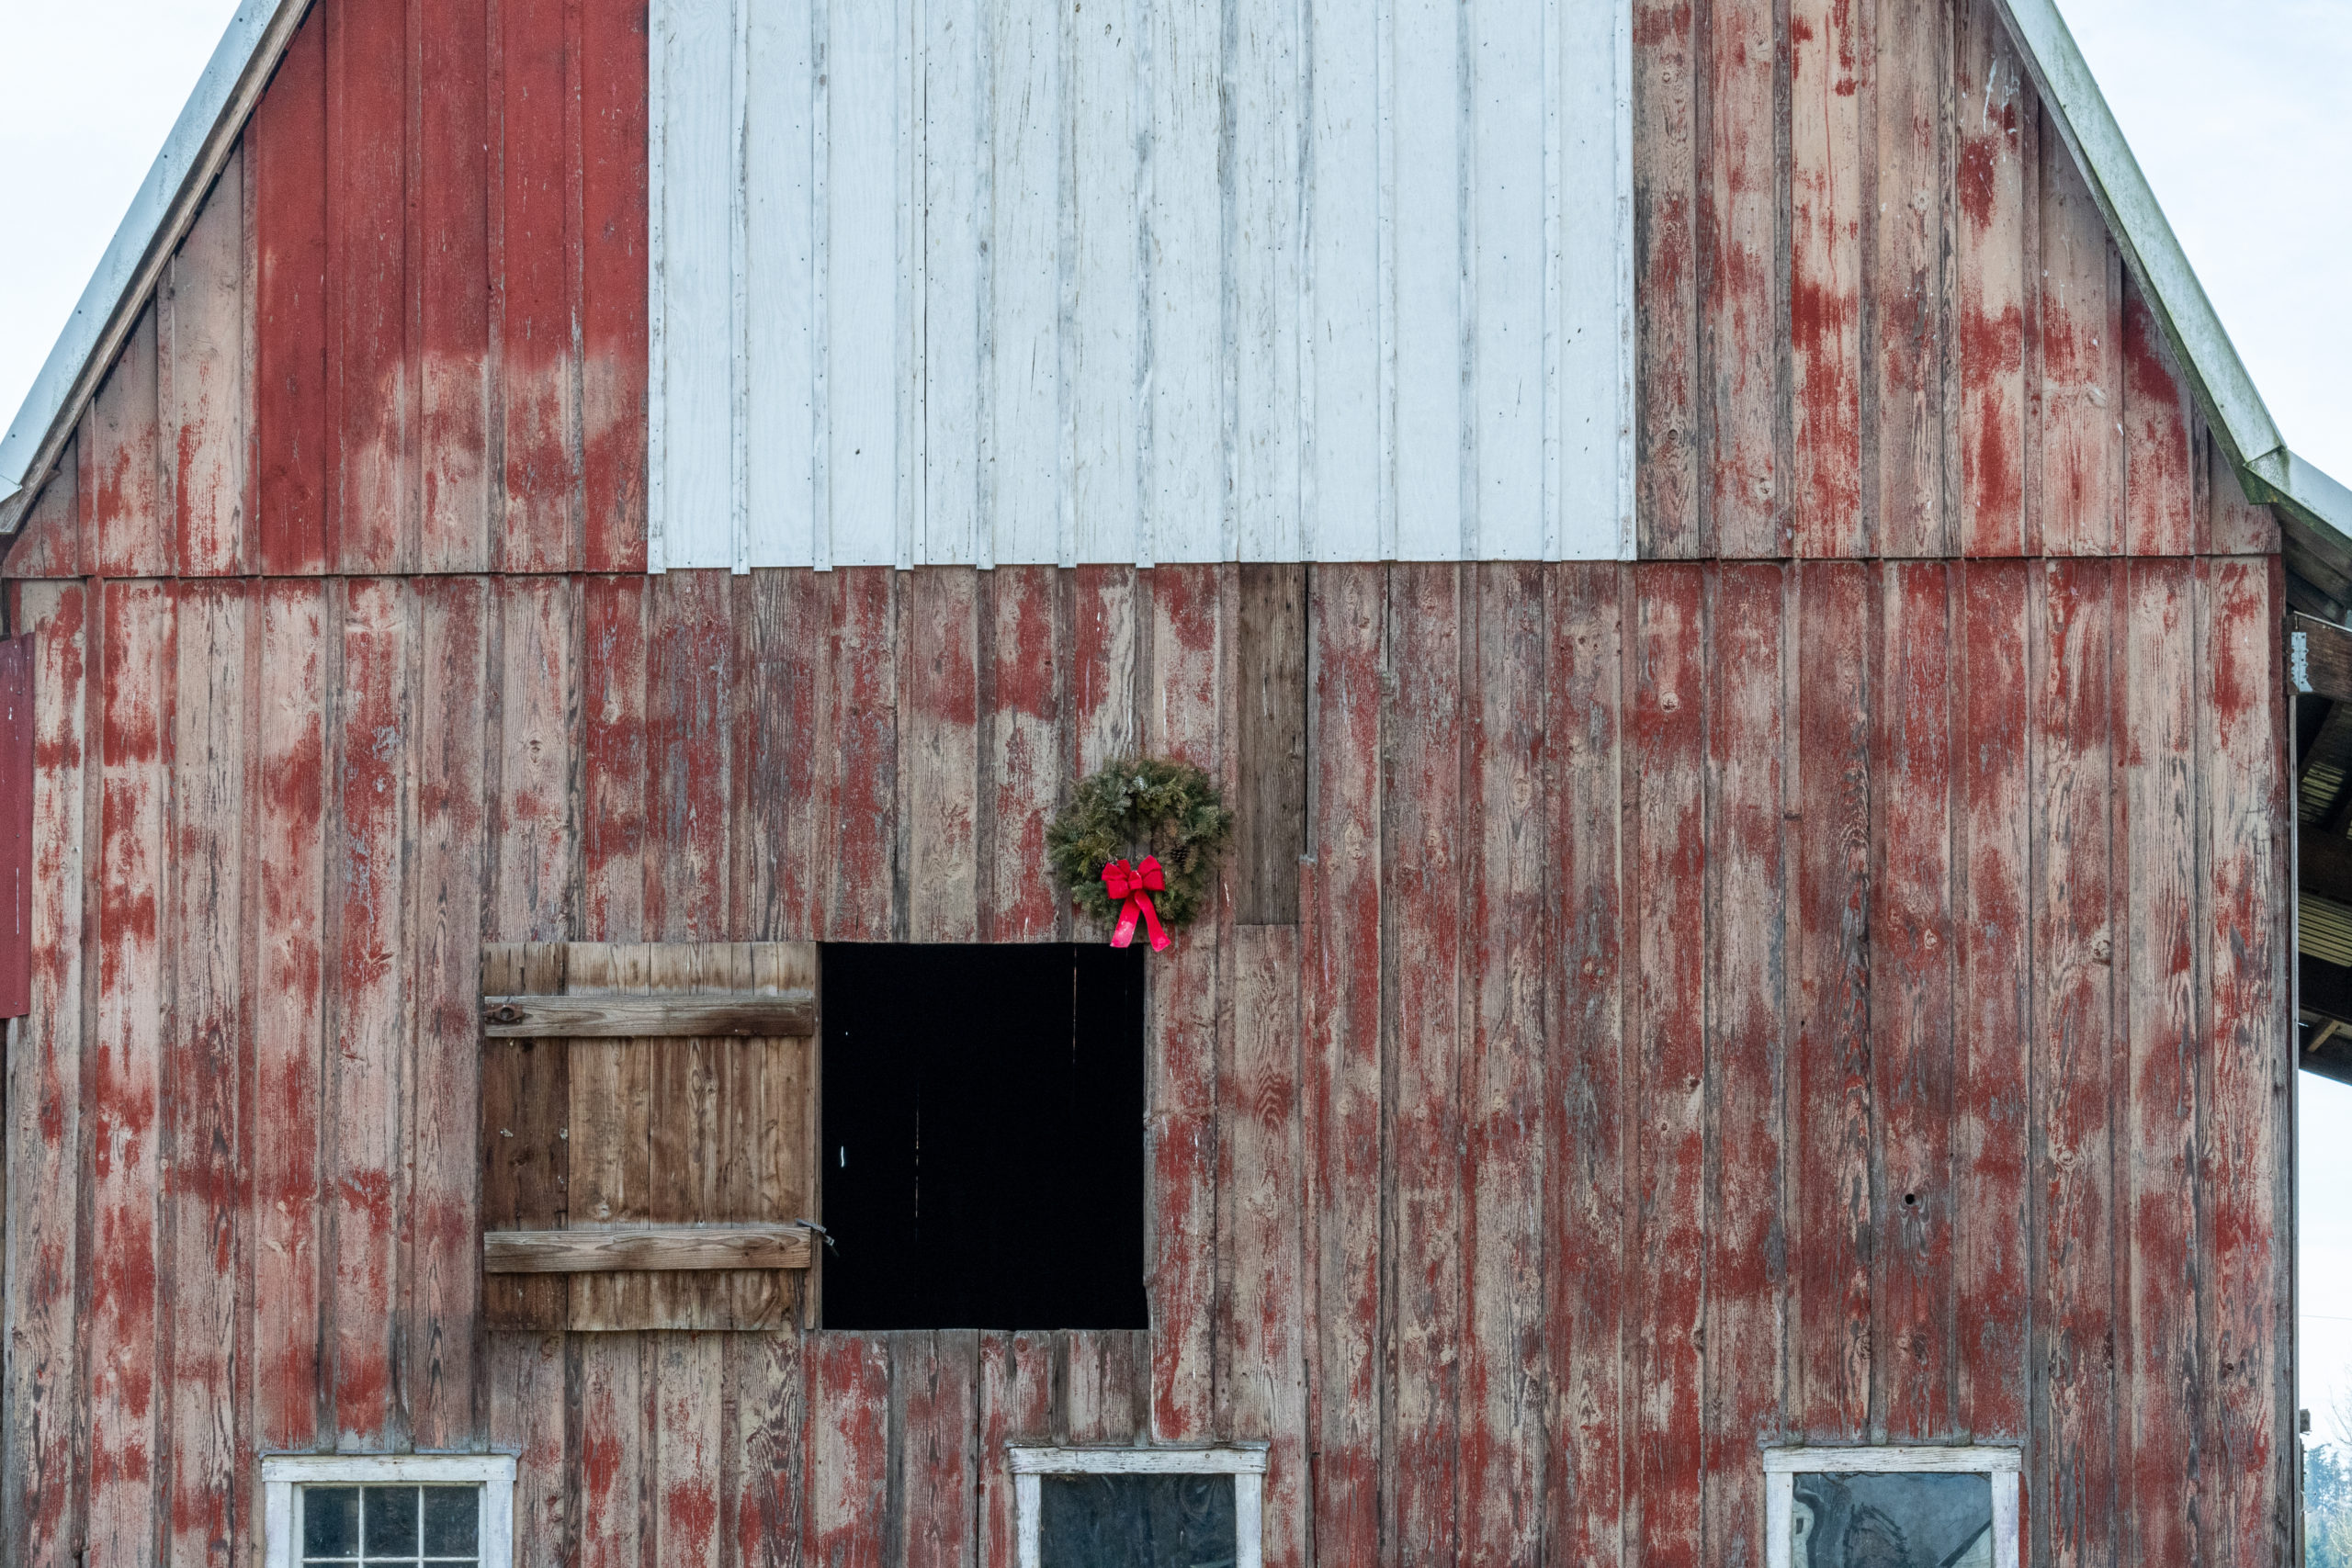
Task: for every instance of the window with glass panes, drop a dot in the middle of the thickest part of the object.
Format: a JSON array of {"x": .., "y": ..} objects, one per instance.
[{"x": 355, "y": 1526}]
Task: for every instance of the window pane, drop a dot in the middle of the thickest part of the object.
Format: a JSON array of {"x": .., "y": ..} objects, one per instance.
[
  {"x": 329, "y": 1521},
  {"x": 1136, "y": 1521},
  {"x": 388, "y": 1521},
  {"x": 450, "y": 1517},
  {"x": 1941, "y": 1519}
]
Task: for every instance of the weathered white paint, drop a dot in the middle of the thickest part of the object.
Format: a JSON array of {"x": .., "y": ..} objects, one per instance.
[
  {"x": 1246, "y": 1463},
  {"x": 283, "y": 1474},
  {"x": 982, "y": 281}
]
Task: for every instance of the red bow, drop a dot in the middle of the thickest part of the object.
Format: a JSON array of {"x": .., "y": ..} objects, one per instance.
[{"x": 1136, "y": 885}]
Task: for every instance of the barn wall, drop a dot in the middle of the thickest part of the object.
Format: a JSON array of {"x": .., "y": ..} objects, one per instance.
[
  {"x": 1726, "y": 1004},
  {"x": 1663, "y": 927}
]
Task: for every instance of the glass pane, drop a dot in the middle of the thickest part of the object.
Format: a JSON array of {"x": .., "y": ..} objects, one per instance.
[
  {"x": 388, "y": 1521},
  {"x": 329, "y": 1521},
  {"x": 1136, "y": 1521},
  {"x": 451, "y": 1514},
  {"x": 1850, "y": 1521}
]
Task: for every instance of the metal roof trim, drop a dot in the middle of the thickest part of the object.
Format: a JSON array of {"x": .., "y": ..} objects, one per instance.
[
  {"x": 2218, "y": 376},
  {"x": 175, "y": 184}
]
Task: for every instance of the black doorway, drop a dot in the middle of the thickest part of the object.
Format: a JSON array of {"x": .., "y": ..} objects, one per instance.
[{"x": 982, "y": 1139}]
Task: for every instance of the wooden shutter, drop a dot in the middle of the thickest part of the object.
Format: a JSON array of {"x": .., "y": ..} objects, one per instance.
[{"x": 648, "y": 1134}]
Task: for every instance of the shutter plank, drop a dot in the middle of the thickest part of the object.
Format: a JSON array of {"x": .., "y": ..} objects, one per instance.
[
  {"x": 686, "y": 1016},
  {"x": 646, "y": 1248}
]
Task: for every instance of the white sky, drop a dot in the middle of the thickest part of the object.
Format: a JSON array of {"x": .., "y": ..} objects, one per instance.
[{"x": 2241, "y": 114}]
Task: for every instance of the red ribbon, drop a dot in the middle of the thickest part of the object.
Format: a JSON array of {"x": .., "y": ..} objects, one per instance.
[{"x": 1136, "y": 885}]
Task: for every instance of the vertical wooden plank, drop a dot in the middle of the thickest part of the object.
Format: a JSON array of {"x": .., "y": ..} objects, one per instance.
[
  {"x": 1185, "y": 717},
  {"x": 778, "y": 278},
  {"x": 1828, "y": 55},
  {"x": 1021, "y": 485},
  {"x": 1341, "y": 1011},
  {"x": 47, "y": 543},
  {"x": 870, "y": 267},
  {"x": 129, "y": 508},
  {"x": 525, "y": 1144},
  {"x": 1016, "y": 1391},
  {"x": 935, "y": 1381},
  {"x": 1666, "y": 236},
  {"x": 615, "y": 1523},
  {"x": 849, "y": 1460},
  {"x": 455, "y": 286},
  {"x": 287, "y": 146},
  {"x": 1741, "y": 290},
  {"x": 206, "y": 1136},
  {"x": 2159, "y": 448},
  {"x": 941, "y": 775},
  {"x": 2073, "y": 1044},
  {"x": 1422, "y": 836},
  {"x": 368, "y": 1018},
  {"x": 17, "y": 887},
  {"x": 124, "y": 1063},
  {"x": 858, "y": 834},
  {"x": 1104, "y": 1383},
  {"x": 1745, "y": 883},
  {"x": 1269, "y": 811},
  {"x": 2161, "y": 1381},
  {"x": 612, "y": 757},
  {"x": 1185, "y": 149},
  {"x": 1912, "y": 1045},
  {"x": 1908, "y": 286},
  {"x": 1991, "y": 143},
  {"x": 40, "y": 1458},
  {"x": 370, "y": 522},
  {"x": 612, "y": 66},
  {"x": 1829, "y": 1077},
  {"x": 2244, "y": 1162},
  {"x": 952, "y": 49},
  {"x": 1103, "y": 613},
  {"x": 1991, "y": 1016},
  {"x": 536, "y": 309},
  {"x": 446, "y": 983},
  {"x": 1265, "y": 243},
  {"x": 1505, "y": 936},
  {"x": 205, "y": 398},
  {"x": 2079, "y": 333},
  {"x": 1591, "y": 1132},
  {"x": 1025, "y": 662},
  {"x": 1101, "y": 360},
  {"x": 781, "y": 665},
  {"x": 1666, "y": 858},
  {"x": 769, "y": 1420},
  {"x": 1261, "y": 1380},
  {"x": 2237, "y": 526},
  {"x": 289, "y": 1015},
  {"x": 688, "y": 641},
  {"x": 684, "y": 1480},
  {"x": 1423, "y": 206},
  {"x": 534, "y": 811},
  {"x": 529, "y": 1416}
]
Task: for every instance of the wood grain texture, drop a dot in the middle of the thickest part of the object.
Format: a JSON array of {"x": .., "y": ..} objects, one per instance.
[
  {"x": 1829, "y": 66},
  {"x": 1994, "y": 175},
  {"x": 1743, "y": 290},
  {"x": 1909, "y": 216},
  {"x": 645, "y": 1247},
  {"x": 1269, "y": 811},
  {"x": 692, "y": 1016}
]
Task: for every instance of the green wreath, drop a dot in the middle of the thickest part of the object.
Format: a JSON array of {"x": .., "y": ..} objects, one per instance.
[{"x": 1136, "y": 807}]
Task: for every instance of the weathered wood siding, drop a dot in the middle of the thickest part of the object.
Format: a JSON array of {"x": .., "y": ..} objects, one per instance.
[
  {"x": 1022, "y": 281},
  {"x": 1832, "y": 1000},
  {"x": 1831, "y": 986}
]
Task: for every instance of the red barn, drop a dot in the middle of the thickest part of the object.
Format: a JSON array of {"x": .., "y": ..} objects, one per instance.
[{"x": 1733, "y": 586}]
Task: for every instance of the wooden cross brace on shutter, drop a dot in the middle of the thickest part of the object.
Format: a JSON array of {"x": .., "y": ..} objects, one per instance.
[{"x": 649, "y": 1128}]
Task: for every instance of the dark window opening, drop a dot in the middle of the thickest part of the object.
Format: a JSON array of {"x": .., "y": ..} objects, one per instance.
[{"x": 982, "y": 1157}]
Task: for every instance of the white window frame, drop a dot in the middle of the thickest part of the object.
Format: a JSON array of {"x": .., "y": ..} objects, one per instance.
[
  {"x": 1782, "y": 1466},
  {"x": 495, "y": 1473},
  {"x": 1246, "y": 1463}
]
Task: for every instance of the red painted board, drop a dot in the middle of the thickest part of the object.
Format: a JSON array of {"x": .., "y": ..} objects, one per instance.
[
  {"x": 286, "y": 159},
  {"x": 536, "y": 261},
  {"x": 1994, "y": 136},
  {"x": 1739, "y": 303},
  {"x": 370, "y": 526},
  {"x": 17, "y": 724},
  {"x": 1665, "y": 860},
  {"x": 1667, "y": 263},
  {"x": 1825, "y": 163},
  {"x": 613, "y": 292}
]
